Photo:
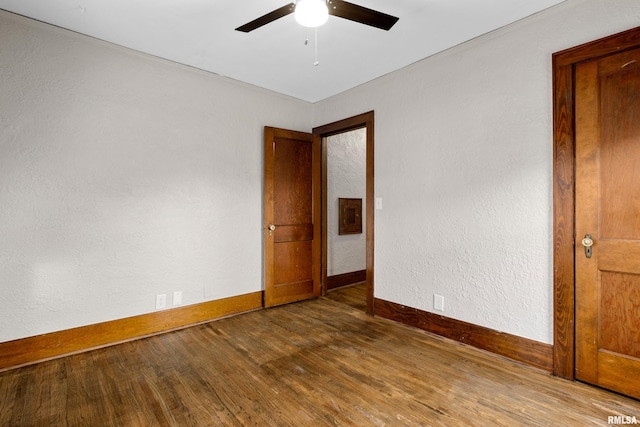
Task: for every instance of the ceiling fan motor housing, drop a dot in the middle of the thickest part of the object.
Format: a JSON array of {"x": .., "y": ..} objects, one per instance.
[{"x": 311, "y": 13}]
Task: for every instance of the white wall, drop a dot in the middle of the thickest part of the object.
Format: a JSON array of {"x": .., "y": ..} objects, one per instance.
[
  {"x": 463, "y": 149},
  {"x": 121, "y": 177},
  {"x": 346, "y": 178}
]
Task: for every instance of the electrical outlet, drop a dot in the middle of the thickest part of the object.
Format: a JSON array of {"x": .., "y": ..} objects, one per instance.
[
  {"x": 438, "y": 302},
  {"x": 177, "y": 298},
  {"x": 161, "y": 301}
]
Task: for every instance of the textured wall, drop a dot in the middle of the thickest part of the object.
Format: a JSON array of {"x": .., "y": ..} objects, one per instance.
[
  {"x": 346, "y": 177},
  {"x": 122, "y": 177},
  {"x": 463, "y": 146}
]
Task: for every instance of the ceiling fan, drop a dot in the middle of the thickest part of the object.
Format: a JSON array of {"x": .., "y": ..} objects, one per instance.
[{"x": 339, "y": 8}]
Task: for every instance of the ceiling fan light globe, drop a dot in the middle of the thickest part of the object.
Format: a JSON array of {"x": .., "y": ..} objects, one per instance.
[{"x": 311, "y": 13}]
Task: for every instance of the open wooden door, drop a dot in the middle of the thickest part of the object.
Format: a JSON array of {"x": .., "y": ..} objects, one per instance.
[
  {"x": 292, "y": 209},
  {"x": 607, "y": 258}
]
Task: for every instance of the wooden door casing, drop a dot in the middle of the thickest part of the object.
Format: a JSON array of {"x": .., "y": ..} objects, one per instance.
[
  {"x": 367, "y": 121},
  {"x": 292, "y": 209}
]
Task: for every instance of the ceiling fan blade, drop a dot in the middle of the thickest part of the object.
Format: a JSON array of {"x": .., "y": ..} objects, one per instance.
[
  {"x": 269, "y": 17},
  {"x": 360, "y": 14}
]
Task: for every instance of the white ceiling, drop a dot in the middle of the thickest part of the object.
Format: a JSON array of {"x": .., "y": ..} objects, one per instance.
[{"x": 200, "y": 33}]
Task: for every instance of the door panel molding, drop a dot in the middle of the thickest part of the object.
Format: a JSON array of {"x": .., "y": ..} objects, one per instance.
[
  {"x": 365, "y": 120},
  {"x": 564, "y": 121}
]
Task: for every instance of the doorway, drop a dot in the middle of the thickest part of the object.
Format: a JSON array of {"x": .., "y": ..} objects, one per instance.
[
  {"x": 344, "y": 159},
  {"x": 295, "y": 250},
  {"x": 591, "y": 341},
  {"x": 362, "y": 125}
]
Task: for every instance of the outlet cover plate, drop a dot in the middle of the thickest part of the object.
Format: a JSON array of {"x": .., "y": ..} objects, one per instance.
[
  {"x": 161, "y": 301},
  {"x": 177, "y": 298},
  {"x": 438, "y": 302}
]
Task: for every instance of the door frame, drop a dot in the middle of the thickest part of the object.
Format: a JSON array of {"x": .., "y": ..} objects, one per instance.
[
  {"x": 564, "y": 63},
  {"x": 365, "y": 120}
]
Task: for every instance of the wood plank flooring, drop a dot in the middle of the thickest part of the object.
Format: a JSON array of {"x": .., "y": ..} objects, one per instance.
[
  {"x": 354, "y": 295},
  {"x": 315, "y": 363}
]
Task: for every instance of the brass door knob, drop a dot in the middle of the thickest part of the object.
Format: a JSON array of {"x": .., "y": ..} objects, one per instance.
[{"x": 587, "y": 242}]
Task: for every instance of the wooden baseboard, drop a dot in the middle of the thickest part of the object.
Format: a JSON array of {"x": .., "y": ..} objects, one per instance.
[
  {"x": 346, "y": 279},
  {"x": 26, "y": 351},
  {"x": 514, "y": 347}
]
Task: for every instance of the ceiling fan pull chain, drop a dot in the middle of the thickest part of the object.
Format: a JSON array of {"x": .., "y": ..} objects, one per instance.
[{"x": 315, "y": 63}]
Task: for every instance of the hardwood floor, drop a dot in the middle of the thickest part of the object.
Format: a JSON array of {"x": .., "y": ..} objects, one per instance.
[
  {"x": 354, "y": 295},
  {"x": 315, "y": 363}
]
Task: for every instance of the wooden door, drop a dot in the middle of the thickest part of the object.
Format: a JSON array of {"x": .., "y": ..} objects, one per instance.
[
  {"x": 291, "y": 216},
  {"x": 608, "y": 208}
]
